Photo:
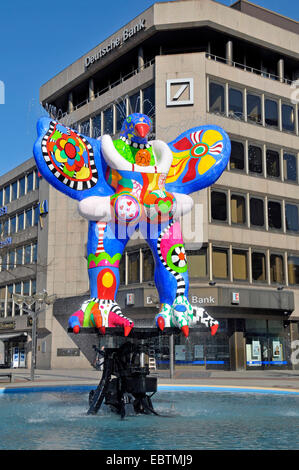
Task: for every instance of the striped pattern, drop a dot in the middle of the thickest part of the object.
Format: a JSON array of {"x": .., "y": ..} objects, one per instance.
[
  {"x": 181, "y": 286},
  {"x": 57, "y": 171},
  {"x": 195, "y": 137},
  {"x": 101, "y": 228},
  {"x": 112, "y": 306}
]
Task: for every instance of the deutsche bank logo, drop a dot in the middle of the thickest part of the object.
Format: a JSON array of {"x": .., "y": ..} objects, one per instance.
[
  {"x": 179, "y": 92},
  {"x": 2, "y": 92}
]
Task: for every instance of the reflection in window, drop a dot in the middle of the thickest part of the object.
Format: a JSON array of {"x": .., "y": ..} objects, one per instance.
[
  {"x": 149, "y": 100},
  {"x": 19, "y": 257},
  {"x": 27, "y": 257},
  {"x": 258, "y": 267},
  {"x": 96, "y": 126},
  {"x": 133, "y": 268},
  {"x": 22, "y": 186},
  {"x": 237, "y": 156},
  {"x": 239, "y": 265},
  {"x": 255, "y": 159},
  {"x": 30, "y": 182},
  {"x": 290, "y": 167},
  {"x": 34, "y": 253},
  {"x": 108, "y": 120},
  {"x": 291, "y": 214},
  {"x": 197, "y": 263},
  {"x": 235, "y": 100},
  {"x": 276, "y": 269},
  {"x": 220, "y": 263},
  {"x": 218, "y": 203},
  {"x": 271, "y": 113},
  {"x": 288, "y": 118},
  {"x": 85, "y": 128},
  {"x": 11, "y": 260},
  {"x": 273, "y": 167},
  {"x": 293, "y": 269},
  {"x": 216, "y": 98},
  {"x": 121, "y": 114},
  {"x": 20, "y": 221},
  {"x": 33, "y": 286},
  {"x": 7, "y": 194},
  {"x": 254, "y": 108},
  {"x": 26, "y": 286},
  {"x": 14, "y": 191},
  {"x": 28, "y": 218},
  {"x": 257, "y": 212},
  {"x": 134, "y": 103},
  {"x": 274, "y": 214},
  {"x": 148, "y": 266},
  {"x": 238, "y": 211},
  {"x": 13, "y": 223},
  {"x": 9, "y": 300}
]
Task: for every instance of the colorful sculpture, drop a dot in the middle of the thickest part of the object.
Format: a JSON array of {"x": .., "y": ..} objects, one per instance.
[{"x": 127, "y": 184}]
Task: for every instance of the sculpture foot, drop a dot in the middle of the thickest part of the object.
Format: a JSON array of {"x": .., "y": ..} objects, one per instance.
[{"x": 100, "y": 313}]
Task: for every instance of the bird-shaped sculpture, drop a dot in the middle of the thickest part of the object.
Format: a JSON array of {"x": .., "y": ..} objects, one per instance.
[{"x": 127, "y": 184}]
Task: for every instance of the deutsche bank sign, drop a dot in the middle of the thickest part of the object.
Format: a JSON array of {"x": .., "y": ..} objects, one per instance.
[
  {"x": 2, "y": 92},
  {"x": 115, "y": 42}
]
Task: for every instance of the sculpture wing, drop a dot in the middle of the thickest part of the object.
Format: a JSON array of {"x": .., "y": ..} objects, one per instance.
[
  {"x": 200, "y": 155},
  {"x": 69, "y": 161}
]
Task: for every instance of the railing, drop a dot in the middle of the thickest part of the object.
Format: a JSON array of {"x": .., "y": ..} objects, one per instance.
[
  {"x": 246, "y": 68},
  {"x": 114, "y": 84}
]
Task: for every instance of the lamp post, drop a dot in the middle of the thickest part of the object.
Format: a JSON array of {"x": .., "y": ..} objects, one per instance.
[{"x": 41, "y": 299}]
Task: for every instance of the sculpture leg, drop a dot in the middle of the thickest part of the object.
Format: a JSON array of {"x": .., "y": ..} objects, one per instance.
[
  {"x": 106, "y": 243},
  {"x": 171, "y": 278}
]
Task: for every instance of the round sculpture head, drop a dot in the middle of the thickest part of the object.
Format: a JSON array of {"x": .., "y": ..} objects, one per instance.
[{"x": 136, "y": 128}]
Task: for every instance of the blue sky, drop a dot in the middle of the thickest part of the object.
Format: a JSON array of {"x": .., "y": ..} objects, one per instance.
[{"x": 39, "y": 38}]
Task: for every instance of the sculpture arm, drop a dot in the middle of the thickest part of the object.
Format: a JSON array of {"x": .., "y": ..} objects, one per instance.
[
  {"x": 95, "y": 208},
  {"x": 163, "y": 156}
]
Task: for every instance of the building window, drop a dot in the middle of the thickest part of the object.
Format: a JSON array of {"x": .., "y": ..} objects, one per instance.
[
  {"x": 293, "y": 269},
  {"x": 276, "y": 269},
  {"x": 108, "y": 120},
  {"x": 217, "y": 98},
  {"x": 197, "y": 263},
  {"x": 133, "y": 267},
  {"x": 237, "y": 156},
  {"x": 30, "y": 182},
  {"x": 149, "y": 100},
  {"x": 27, "y": 257},
  {"x": 9, "y": 300},
  {"x": 96, "y": 126},
  {"x": 85, "y": 128},
  {"x": 2, "y": 301},
  {"x": 238, "y": 209},
  {"x": 220, "y": 263},
  {"x": 235, "y": 100},
  {"x": 33, "y": 286},
  {"x": 19, "y": 257},
  {"x": 255, "y": 159},
  {"x": 120, "y": 114},
  {"x": 274, "y": 214},
  {"x": 34, "y": 253},
  {"x": 291, "y": 214},
  {"x": 218, "y": 204},
  {"x": 1, "y": 197},
  {"x": 14, "y": 191},
  {"x": 258, "y": 267},
  {"x": 288, "y": 118},
  {"x": 18, "y": 290},
  {"x": 22, "y": 186},
  {"x": 148, "y": 266},
  {"x": 36, "y": 177},
  {"x": 11, "y": 259},
  {"x": 239, "y": 265},
  {"x": 134, "y": 103},
  {"x": 122, "y": 270},
  {"x": 7, "y": 194},
  {"x": 257, "y": 217},
  {"x": 273, "y": 164},
  {"x": 290, "y": 167},
  {"x": 36, "y": 215},
  {"x": 13, "y": 224},
  {"x": 254, "y": 108},
  {"x": 271, "y": 113},
  {"x": 6, "y": 227},
  {"x": 26, "y": 287},
  {"x": 20, "y": 221},
  {"x": 29, "y": 218}
]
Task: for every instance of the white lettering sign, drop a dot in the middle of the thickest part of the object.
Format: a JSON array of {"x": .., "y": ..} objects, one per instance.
[{"x": 114, "y": 43}]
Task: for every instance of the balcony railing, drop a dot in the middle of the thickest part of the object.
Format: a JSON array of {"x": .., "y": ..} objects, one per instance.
[{"x": 246, "y": 68}]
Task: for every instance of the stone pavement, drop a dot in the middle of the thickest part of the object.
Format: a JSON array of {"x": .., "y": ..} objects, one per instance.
[{"x": 272, "y": 379}]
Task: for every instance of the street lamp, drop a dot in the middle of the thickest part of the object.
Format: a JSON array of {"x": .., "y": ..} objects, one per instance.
[{"x": 29, "y": 300}]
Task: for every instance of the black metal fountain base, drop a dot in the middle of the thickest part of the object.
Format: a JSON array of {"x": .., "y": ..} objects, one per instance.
[{"x": 131, "y": 389}]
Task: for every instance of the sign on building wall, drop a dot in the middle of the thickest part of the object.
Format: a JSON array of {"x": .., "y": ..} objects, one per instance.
[{"x": 179, "y": 92}]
